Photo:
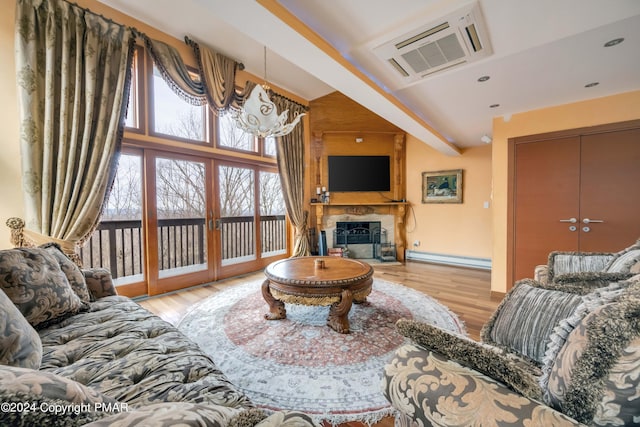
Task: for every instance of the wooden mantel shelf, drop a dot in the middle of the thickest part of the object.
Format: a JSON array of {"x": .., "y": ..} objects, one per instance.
[{"x": 360, "y": 204}]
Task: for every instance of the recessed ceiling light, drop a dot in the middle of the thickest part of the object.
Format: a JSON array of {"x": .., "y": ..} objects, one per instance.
[
  {"x": 592, "y": 84},
  {"x": 614, "y": 42},
  {"x": 483, "y": 79},
  {"x": 494, "y": 105}
]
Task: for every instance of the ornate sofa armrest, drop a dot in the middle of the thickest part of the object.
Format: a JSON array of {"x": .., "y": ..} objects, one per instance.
[
  {"x": 99, "y": 282},
  {"x": 432, "y": 390}
]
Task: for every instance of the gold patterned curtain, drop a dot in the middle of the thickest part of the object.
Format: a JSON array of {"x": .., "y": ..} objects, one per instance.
[
  {"x": 290, "y": 157},
  {"x": 218, "y": 74},
  {"x": 73, "y": 73}
]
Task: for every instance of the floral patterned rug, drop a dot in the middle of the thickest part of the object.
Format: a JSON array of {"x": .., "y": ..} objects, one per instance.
[{"x": 299, "y": 362}]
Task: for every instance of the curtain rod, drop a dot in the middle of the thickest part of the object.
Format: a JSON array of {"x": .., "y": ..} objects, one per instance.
[{"x": 272, "y": 92}]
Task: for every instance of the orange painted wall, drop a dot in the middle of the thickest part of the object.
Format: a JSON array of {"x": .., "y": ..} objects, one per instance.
[
  {"x": 611, "y": 109},
  {"x": 450, "y": 229}
]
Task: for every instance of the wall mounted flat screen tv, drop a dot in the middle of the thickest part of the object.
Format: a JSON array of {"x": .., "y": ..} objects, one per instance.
[{"x": 359, "y": 173}]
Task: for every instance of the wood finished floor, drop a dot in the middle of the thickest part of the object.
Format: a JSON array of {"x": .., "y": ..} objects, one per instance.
[{"x": 467, "y": 292}]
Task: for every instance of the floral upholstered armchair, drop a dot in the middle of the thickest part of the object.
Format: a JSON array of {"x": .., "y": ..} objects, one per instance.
[{"x": 561, "y": 353}]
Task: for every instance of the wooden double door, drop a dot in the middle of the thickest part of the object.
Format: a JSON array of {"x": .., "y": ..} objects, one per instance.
[{"x": 575, "y": 191}]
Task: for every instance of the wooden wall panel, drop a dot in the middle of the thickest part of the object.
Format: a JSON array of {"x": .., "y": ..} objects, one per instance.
[{"x": 336, "y": 112}]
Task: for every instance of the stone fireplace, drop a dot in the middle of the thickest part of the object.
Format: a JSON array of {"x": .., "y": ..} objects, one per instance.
[
  {"x": 359, "y": 237},
  {"x": 360, "y": 227}
]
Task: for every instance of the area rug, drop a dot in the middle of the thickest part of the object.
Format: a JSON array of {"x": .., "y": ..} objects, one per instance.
[{"x": 299, "y": 363}]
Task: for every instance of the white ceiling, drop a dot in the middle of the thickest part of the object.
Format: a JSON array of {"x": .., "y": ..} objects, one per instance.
[{"x": 544, "y": 53}]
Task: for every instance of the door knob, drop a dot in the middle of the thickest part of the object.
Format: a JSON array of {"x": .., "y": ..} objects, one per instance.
[
  {"x": 589, "y": 221},
  {"x": 571, "y": 220}
]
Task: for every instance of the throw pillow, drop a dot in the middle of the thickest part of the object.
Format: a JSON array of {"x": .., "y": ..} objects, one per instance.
[
  {"x": 33, "y": 280},
  {"x": 625, "y": 261},
  {"x": 525, "y": 319},
  {"x": 576, "y": 262},
  {"x": 557, "y": 340},
  {"x": 71, "y": 270},
  {"x": 99, "y": 282},
  {"x": 20, "y": 344},
  {"x": 594, "y": 378},
  {"x": 482, "y": 358},
  {"x": 31, "y": 398}
]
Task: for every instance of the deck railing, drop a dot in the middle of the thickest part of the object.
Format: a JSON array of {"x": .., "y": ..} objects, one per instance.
[{"x": 118, "y": 245}]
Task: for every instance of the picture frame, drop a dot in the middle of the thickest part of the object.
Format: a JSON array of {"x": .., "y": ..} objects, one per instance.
[{"x": 442, "y": 186}]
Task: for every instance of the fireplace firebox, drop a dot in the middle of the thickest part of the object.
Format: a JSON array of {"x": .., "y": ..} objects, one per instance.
[{"x": 354, "y": 232}]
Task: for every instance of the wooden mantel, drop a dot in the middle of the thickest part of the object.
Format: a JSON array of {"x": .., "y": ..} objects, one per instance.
[
  {"x": 328, "y": 143},
  {"x": 397, "y": 209}
]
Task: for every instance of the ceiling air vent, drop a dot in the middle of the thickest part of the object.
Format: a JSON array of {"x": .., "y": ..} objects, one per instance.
[{"x": 453, "y": 40}]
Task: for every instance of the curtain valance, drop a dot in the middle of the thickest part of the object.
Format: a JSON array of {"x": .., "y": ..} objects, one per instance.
[{"x": 174, "y": 71}]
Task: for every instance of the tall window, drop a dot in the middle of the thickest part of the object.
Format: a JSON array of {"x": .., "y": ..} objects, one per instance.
[
  {"x": 237, "y": 213},
  {"x": 117, "y": 244},
  {"x": 273, "y": 224},
  {"x": 230, "y": 136},
  {"x": 216, "y": 209},
  {"x": 270, "y": 146},
  {"x": 175, "y": 117},
  {"x": 134, "y": 120},
  {"x": 181, "y": 210}
]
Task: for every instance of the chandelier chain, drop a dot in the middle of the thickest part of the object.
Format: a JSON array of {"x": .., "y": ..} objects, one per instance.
[{"x": 265, "y": 65}]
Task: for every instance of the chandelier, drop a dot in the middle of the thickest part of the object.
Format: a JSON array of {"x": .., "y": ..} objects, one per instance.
[{"x": 259, "y": 115}]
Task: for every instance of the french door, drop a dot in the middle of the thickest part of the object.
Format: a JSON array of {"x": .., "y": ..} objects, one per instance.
[
  {"x": 174, "y": 221},
  {"x": 575, "y": 193},
  {"x": 179, "y": 235},
  {"x": 250, "y": 222}
]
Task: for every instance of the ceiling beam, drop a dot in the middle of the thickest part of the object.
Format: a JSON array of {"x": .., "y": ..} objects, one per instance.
[{"x": 268, "y": 22}]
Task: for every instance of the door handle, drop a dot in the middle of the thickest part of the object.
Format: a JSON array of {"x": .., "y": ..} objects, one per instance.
[
  {"x": 590, "y": 221},
  {"x": 571, "y": 220},
  {"x": 210, "y": 221}
]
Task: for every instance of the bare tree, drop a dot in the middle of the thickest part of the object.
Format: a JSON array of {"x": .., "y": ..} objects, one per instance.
[
  {"x": 233, "y": 137},
  {"x": 271, "y": 200},
  {"x": 180, "y": 188},
  {"x": 188, "y": 124},
  {"x": 125, "y": 198},
  {"x": 236, "y": 191}
]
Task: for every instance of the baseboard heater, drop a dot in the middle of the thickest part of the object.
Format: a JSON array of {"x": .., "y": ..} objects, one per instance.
[{"x": 462, "y": 261}]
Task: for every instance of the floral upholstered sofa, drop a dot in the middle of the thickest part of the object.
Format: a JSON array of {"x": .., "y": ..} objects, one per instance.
[
  {"x": 563, "y": 351},
  {"x": 75, "y": 353}
]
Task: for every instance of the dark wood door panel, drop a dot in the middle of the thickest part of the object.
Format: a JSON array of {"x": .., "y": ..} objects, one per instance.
[
  {"x": 610, "y": 190},
  {"x": 547, "y": 177}
]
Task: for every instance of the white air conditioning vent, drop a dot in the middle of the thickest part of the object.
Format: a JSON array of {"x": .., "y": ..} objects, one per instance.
[{"x": 455, "y": 39}]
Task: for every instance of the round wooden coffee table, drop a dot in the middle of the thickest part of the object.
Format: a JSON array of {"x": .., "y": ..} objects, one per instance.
[{"x": 300, "y": 280}]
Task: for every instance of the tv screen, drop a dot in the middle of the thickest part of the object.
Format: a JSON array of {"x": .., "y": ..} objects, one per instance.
[{"x": 359, "y": 173}]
